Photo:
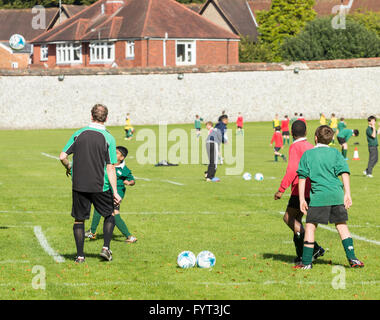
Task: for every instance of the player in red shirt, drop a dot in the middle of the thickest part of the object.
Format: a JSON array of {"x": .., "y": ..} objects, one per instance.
[
  {"x": 277, "y": 139},
  {"x": 239, "y": 123},
  {"x": 302, "y": 118},
  {"x": 293, "y": 215},
  {"x": 285, "y": 130}
]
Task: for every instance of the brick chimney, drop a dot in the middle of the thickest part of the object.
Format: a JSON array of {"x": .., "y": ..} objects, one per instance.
[{"x": 111, "y": 6}]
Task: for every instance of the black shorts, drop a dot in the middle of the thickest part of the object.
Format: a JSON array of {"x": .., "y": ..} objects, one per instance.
[
  {"x": 341, "y": 140},
  {"x": 285, "y": 133},
  {"x": 277, "y": 149},
  {"x": 324, "y": 215},
  {"x": 82, "y": 201},
  {"x": 239, "y": 127},
  {"x": 294, "y": 202}
]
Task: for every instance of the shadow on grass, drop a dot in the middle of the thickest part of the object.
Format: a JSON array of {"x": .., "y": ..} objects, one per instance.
[
  {"x": 72, "y": 256},
  {"x": 1, "y": 227},
  {"x": 117, "y": 238},
  {"x": 290, "y": 259}
]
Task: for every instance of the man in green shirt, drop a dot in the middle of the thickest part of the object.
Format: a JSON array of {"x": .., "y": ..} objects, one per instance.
[
  {"x": 328, "y": 201},
  {"x": 93, "y": 178},
  {"x": 372, "y": 133},
  {"x": 343, "y": 136},
  {"x": 124, "y": 179}
]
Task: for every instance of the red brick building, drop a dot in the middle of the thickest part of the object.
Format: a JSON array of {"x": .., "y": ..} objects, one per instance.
[{"x": 135, "y": 33}]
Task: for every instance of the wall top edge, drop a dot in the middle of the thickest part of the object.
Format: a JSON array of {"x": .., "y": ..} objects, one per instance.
[{"x": 294, "y": 67}]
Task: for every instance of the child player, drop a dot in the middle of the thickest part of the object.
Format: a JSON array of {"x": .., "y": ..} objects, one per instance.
[
  {"x": 343, "y": 136},
  {"x": 275, "y": 121},
  {"x": 213, "y": 141},
  {"x": 371, "y": 134},
  {"x": 239, "y": 123},
  {"x": 285, "y": 130},
  {"x": 329, "y": 198},
  {"x": 293, "y": 215},
  {"x": 129, "y": 130},
  {"x": 333, "y": 123},
  {"x": 197, "y": 125},
  {"x": 277, "y": 139},
  {"x": 124, "y": 178}
]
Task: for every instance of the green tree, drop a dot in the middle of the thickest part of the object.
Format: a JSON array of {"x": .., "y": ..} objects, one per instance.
[
  {"x": 369, "y": 19},
  {"x": 320, "y": 41},
  {"x": 250, "y": 51},
  {"x": 285, "y": 18}
]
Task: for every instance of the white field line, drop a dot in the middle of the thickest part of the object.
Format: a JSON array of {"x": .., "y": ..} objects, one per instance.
[
  {"x": 138, "y": 178},
  {"x": 45, "y": 245},
  {"x": 14, "y": 261},
  {"x": 173, "y": 182},
  {"x": 353, "y": 236},
  {"x": 49, "y": 156}
]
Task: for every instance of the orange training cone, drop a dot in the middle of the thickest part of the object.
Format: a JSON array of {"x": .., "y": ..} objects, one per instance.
[{"x": 356, "y": 154}]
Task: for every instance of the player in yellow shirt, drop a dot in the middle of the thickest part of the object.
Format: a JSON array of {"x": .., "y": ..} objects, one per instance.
[
  {"x": 276, "y": 122},
  {"x": 129, "y": 130},
  {"x": 333, "y": 123},
  {"x": 322, "y": 119}
]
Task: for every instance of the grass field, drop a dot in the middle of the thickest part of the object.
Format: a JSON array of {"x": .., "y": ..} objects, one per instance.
[{"x": 235, "y": 219}]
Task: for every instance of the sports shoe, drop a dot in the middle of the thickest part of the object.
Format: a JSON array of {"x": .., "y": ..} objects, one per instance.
[
  {"x": 298, "y": 261},
  {"x": 90, "y": 235},
  {"x": 79, "y": 259},
  {"x": 131, "y": 239},
  {"x": 284, "y": 158},
  {"x": 303, "y": 266},
  {"x": 365, "y": 172},
  {"x": 369, "y": 176},
  {"x": 355, "y": 263},
  {"x": 106, "y": 254},
  {"x": 215, "y": 179},
  {"x": 318, "y": 253}
]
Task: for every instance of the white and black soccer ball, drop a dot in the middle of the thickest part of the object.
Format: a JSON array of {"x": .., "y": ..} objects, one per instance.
[
  {"x": 17, "y": 42},
  {"x": 247, "y": 176},
  {"x": 186, "y": 259},
  {"x": 206, "y": 259},
  {"x": 259, "y": 177}
]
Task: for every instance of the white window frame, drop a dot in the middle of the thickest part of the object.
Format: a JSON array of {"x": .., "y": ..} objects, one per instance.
[
  {"x": 44, "y": 52},
  {"x": 99, "y": 52},
  {"x": 130, "y": 49},
  {"x": 65, "y": 53},
  {"x": 193, "y": 51}
]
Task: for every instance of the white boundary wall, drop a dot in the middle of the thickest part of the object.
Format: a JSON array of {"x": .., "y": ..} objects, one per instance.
[{"x": 32, "y": 102}]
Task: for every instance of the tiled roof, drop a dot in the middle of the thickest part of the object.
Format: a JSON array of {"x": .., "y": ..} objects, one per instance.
[
  {"x": 238, "y": 14},
  {"x": 136, "y": 19}
]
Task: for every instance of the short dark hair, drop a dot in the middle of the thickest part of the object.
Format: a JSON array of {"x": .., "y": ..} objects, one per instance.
[
  {"x": 122, "y": 150},
  {"x": 341, "y": 119},
  {"x": 333, "y": 114},
  {"x": 298, "y": 129},
  {"x": 324, "y": 134},
  {"x": 222, "y": 117},
  {"x": 301, "y": 115},
  {"x": 356, "y": 132},
  {"x": 99, "y": 113},
  {"x": 370, "y": 118}
]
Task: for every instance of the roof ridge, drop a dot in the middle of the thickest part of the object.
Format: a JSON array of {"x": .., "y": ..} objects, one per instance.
[
  {"x": 146, "y": 17},
  {"x": 68, "y": 21},
  {"x": 226, "y": 15}
]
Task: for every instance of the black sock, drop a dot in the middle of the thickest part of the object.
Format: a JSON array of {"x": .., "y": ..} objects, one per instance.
[
  {"x": 78, "y": 229},
  {"x": 108, "y": 226},
  {"x": 298, "y": 243}
]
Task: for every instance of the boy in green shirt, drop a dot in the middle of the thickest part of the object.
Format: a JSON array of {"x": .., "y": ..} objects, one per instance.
[
  {"x": 371, "y": 134},
  {"x": 343, "y": 136},
  {"x": 197, "y": 125},
  {"x": 124, "y": 178},
  {"x": 328, "y": 202}
]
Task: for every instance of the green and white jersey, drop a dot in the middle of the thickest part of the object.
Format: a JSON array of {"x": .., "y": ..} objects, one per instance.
[
  {"x": 323, "y": 165},
  {"x": 93, "y": 148},
  {"x": 123, "y": 173},
  {"x": 345, "y": 133}
]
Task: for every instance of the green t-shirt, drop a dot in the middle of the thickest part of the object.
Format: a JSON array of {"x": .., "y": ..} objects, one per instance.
[
  {"x": 345, "y": 133},
  {"x": 323, "y": 165},
  {"x": 93, "y": 147},
  {"x": 341, "y": 125},
  {"x": 123, "y": 173},
  {"x": 372, "y": 142},
  {"x": 197, "y": 124}
]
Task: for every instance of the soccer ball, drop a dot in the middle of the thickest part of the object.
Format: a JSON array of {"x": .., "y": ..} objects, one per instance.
[
  {"x": 206, "y": 259},
  {"x": 247, "y": 176},
  {"x": 186, "y": 259},
  {"x": 259, "y": 177},
  {"x": 17, "y": 42}
]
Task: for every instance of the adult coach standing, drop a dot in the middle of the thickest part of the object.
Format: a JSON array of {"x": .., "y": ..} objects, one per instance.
[{"x": 93, "y": 177}]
